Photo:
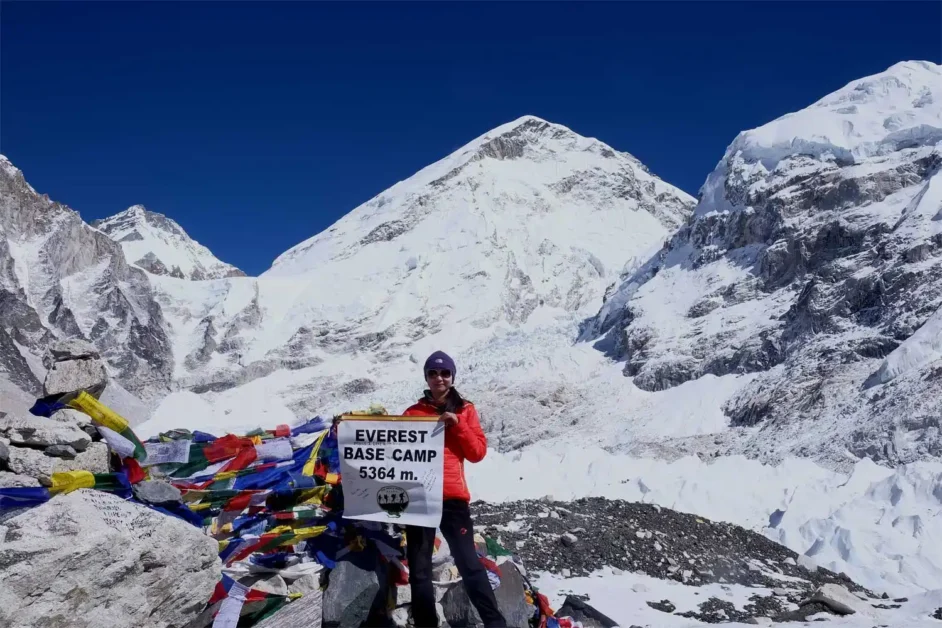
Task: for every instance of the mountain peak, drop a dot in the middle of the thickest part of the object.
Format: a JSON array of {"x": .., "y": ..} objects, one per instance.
[{"x": 159, "y": 245}]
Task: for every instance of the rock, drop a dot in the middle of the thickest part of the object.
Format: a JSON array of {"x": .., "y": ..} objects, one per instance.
[
  {"x": 837, "y": 598},
  {"x": 664, "y": 606},
  {"x": 157, "y": 492},
  {"x": 94, "y": 459},
  {"x": 72, "y": 349},
  {"x": 40, "y": 432},
  {"x": 568, "y": 539},
  {"x": 305, "y": 611},
  {"x": 790, "y": 561},
  {"x": 616, "y": 571},
  {"x": 520, "y": 544},
  {"x": 554, "y": 514},
  {"x": 582, "y": 612},
  {"x": 60, "y": 451},
  {"x": 12, "y": 480},
  {"x": 269, "y": 583},
  {"x": 4, "y": 452},
  {"x": 759, "y": 621},
  {"x": 780, "y": 592},
  {"x": 32, "y": 463},
  {"x": 565, "y": 573},
  {"x": 90, "y": 559},
  {"x": 639, "y": 588},
  {"x": 92, "y": 432},
  {"x": 73, "y": 375},
  {"x": 307, "y": 583},
  {"x": 350, "y": 592},
  {"x": 807, "y": 562},
  {"x": 400, "y": 617},
  {"x": 71, "y": 417},
  {"x": 458, "y": 611}
]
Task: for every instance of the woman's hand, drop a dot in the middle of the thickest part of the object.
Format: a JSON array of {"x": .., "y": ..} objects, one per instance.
[{"x": 450, "y": 419}]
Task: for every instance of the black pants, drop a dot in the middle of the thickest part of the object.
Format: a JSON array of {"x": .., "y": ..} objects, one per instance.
[{"x": 458, "y": 530}]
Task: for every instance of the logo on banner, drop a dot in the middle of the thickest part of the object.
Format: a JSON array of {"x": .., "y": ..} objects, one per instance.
[{"x": 393, "y": 500}]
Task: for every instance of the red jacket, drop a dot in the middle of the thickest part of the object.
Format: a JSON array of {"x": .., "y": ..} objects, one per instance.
[{"x": 465, "y": 441}]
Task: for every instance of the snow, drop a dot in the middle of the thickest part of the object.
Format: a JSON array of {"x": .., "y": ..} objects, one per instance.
[
  {"x": 141, "y": 232},
  {"x": 615, "y": 596},
  {"x": 878, "y": 525},
  {"x": 184, "y": 409},
  {"x": 868, "y": 117},
  {"x": 922, "y": 348}
]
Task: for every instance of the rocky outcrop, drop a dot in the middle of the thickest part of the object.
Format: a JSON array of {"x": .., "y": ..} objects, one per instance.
[
  {"x": 60, "y": 278},
  {"x": 809, "y": 259},
  {"x": 90, "y": 559}
]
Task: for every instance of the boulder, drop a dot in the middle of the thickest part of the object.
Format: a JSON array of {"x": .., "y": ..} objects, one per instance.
[
  {"x": 350, "y": 592},
  {"x": 40, "y": 432},
  {"x": 95, "y": 459},
  {"x": 582, "y": 612},
  {"x": 32, "y": 463},
  {"x": 72, "y": 349},
  {"x": 12, "y": 480},
  {"x": 4, "y": 451},
  {"x": 458, "y": 610},
  {"x": 838, "y": 599},
  {"x": 65, "y": 377},
  {"x": 71, "y": 417},
  {"x": 305, "y": 611},
  {"x": 157, "y": 492},
  {"x": 269, "y": 583},
  {"x": 807, "y": 562},
  {"x": 89, "y": 559},
  {"x": 60, "y": 451}
]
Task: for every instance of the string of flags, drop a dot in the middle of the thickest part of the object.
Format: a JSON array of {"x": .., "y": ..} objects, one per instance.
[{"x": 272, "y": 499}]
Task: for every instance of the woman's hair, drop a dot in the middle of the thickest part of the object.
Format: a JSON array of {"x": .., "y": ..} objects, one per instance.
[{"x": 453, "y": 402}]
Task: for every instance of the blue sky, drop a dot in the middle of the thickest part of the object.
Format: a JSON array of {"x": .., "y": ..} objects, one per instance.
[{"x": 255, "y": 126}]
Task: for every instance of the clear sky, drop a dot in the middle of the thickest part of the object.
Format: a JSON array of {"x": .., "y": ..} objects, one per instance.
[{"x": 255, "y": 126}]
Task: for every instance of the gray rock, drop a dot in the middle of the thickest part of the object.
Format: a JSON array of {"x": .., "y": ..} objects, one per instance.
[
  {"x": 73, "y": 375},
  {"x": 269, "y": 583},
  {"x": 350, "y": 592},
  {"x": 94, "y": 459},
  {"x": 565, "y": 572},
  {"x": 71, "y": 417},
  {"x": 759, "y": 621},
  {"x": 12, "y": 480},
  {"x": 4, "y": 451},
  {"x": 306, "y": 611},
  {"x": 32, "y": 463},
  {"x": 780, "y": 592},
  {"x": 60, "y": 451},
  {"x": 158, "y": 492},
  {"x": 71, "y": 349},
  {"x": 307, "y": 583},
  {"x": 837, "y": 598},
  {"x": 90, "y": 559},
  {"x": 40, "y": 432},
  {"x": 458, "y": 610},
  {"x": 568, "y": 539}
]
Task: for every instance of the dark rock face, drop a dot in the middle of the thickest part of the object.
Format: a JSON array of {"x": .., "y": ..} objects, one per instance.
[
  {"x": 350, "y": 592},
  {"x": 582, "y": 612}
]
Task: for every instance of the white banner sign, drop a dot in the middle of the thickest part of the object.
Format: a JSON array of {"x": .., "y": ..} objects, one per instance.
[{"x": 391, "y": 469}]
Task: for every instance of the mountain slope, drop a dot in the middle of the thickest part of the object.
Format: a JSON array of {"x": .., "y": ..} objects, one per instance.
[
  {"x": 814, "y": 252},
  {"x": 61, "y": 278},
  {"x": 160, "y": 246},
  {"x": 500, "y": 248}
]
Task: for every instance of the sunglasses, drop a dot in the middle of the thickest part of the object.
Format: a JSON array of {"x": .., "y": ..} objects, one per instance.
[{"x": 445, "y": 373}]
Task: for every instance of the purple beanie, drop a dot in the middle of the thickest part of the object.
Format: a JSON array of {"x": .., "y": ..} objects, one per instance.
[{"x": 440, "y": 360}]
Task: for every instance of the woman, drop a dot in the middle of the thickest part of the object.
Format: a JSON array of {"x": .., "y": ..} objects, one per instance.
[{"x": 464, "y": 440}]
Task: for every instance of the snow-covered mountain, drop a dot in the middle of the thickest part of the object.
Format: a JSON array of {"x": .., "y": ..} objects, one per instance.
[
  {"x": 161, "y": 247},
  {"x": 812, "y": 259},
  {"x": 61, "y": 278},
  {"x": 496, "y": 253}
]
